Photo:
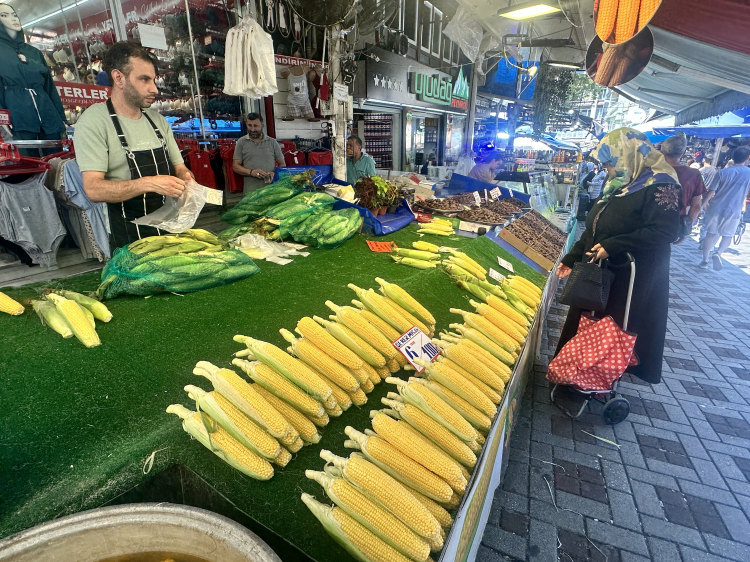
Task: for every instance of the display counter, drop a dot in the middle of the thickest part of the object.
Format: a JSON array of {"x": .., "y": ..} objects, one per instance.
[{"x": 87, "y": 427}]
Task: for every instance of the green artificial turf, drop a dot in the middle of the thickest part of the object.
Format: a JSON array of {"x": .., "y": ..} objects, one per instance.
[{"x": 79, "y": 423}]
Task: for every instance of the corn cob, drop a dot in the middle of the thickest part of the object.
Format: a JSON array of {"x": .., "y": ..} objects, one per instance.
[
  {"x": 432, "y": 430},
  {"x": 235, "y": 422},
  {"x": 471, "y": 266},
  {"x": 403, "y": 468},
  {"x": 296, "y": 446},
  {"x": 517, "y": 303},
  {"x": 480, "y": 356},
  {"x": 98, "y": 309},
  {"x": 485, "y": 343},
  {"x": 89, "y": 316},
  {"x": 437, "y": 231},
  {"x": 416, "y": 263},
  {"x": 517, "y": 279},
  {"x": 527, "y": 295},
  {"x": 372, "y": 516},
  {"x": 435, "y": 544},
  {"x": 282, "y": 458},
  {"x": 520, "y": 321},
  {"x": 357, "y": 540},
  {"x": 378, "y": 305},
  {"x": 476, "y": 418},
  {"x": 248, "y": 399},
  {"x": 383, "y": 372},
  {"x": 314, "y": 357},
  {"x": 487, "y": 328},
  {"x": 386, "y": 491},
  {"x": 500, "y": 320},
  {"x": 530, "y": 302},
  {"x": 459, "y": 273},
  {"x": 444, "y": 375},
  {"x": 433, "y": 406},
  {"x": 76, "y": 319},
  {"x": 343, "y": 401},
  {"x": 266, "y": 377},
  {"x": 324, "y": 341},
  {"x": 607, "y": 65},
  {"x": 627, "y": 20},
  {"x": 393, "y": 366},
  {"x": 605, "y": 18},
  {"x": 367, "y": 386},
  {"x": 383, "y": 326},
  {"x": 405, "y": 301},
  {"x": 352, "y": 319},
  {"x": 358, "y": 398},
  {"x": 473, "y": 288},
  {"x": 353, "y": 342},
  {"x": 622, "y": 67},
  {"x": 473, "y": 263},
  {"x": 411, "y": 319},
  {"x": 415, "y": 254},
  {"x": 491, "y": 289},
  {"x": 648, "y": 8},
  {"x": 425, "y": 246},
  {"x": 494, "y": 395},
  {"x": 320, "y": 421},
  {"x": 409, "y": 442},
  {"x": 438, "y": 512},
  {"x": 49, "y": 315},
  {"x": 10, "y": 306},
  {"x": 223, "y": 445},
  {"x": 462, "y": 356},
  {"x": 303, "y": 426},
  {"x": 334, "y": 412},
  {"x": 287, "y": 366}
]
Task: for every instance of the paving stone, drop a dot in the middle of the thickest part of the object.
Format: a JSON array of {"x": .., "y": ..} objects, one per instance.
[
  {"x": 651, "y": 477},
  {"x": 663, "y": 551},
  {"x": 708, "y": 473},
  {"x": 561, "y": 519},
  {"x": 486, "y": 554},
  {"x": 738, "y": 487},
  {"x": 576, "y": 457},
  {"x": 707, "y": 492},
  {"x": 505, "y": 542},
  {"x": 516, "y": 478},
  {"x": 736, "y": 523},
  {"x": 623, "y": 509},
  {"x": 693, "y": 555},
  {"x": 615, "y": 476},
  {"x": 727, "y": 466},
  {"x": 666, "y": 530},
  {"x": 510, "y": 500},
  {"x": 646, "y": 499},
  {"x": 542, "y": 542},
  {"x": 728, "y": 549},
  {"x": 672, "y": 469},
  {"x": 620, "y": 538},
  {"x": 586, "y": 506}
]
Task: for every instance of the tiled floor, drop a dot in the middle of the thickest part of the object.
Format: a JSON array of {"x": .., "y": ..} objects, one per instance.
[{"x": 678, "y": 488}]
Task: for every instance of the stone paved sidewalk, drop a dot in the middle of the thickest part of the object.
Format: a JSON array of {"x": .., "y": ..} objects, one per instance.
[{"x": 678, "y": 489}]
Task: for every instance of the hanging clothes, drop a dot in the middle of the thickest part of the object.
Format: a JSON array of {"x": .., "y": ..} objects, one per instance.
[
  {"x": 200, "y": 165},
  {"x": 250, "y": 68},
  {"x": 298, "y": 101},
  {"x": 94, "y": 214}
]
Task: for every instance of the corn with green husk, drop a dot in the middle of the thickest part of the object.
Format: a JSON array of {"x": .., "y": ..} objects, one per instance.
[
  {"x": 476, "y": 418},
  {"x": 458, "y": 273},
  {"x": 353, "y": 342},
  {"x": 98, "y": 309},
  {"x": 489, "y": 329},
  {"x": 352, "y": 319},
  {"x": 76, "y": 318},
  {"x": 206, "y": 431},
  {"x": 464, "y": 262},
  {"x": 50, "y": 316},
  {"x": 405, "y": 301},
  {"x": 10, "y": 306},
  {"x": 425, "y": 246},
  {"x": 486, "y": 343},
  {"x": 416, "y": 254},
  {"x": 443, "y": 374},
  {"x": 518, "y": 303},
  {"x": 415, "y": 263}
]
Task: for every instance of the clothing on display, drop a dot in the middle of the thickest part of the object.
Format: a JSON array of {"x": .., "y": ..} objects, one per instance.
[
  {"x": 250, "y": 67},
  {"x": 95, "y": 214},
  {"x": 298, "y": 101},
  {"x": 199, "y": 163}
]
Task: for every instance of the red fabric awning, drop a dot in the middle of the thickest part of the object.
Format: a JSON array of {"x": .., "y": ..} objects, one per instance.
[{"x": 723, "y": 23}]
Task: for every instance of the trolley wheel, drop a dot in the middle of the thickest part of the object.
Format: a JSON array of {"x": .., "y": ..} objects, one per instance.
[{"x": 616, "y": 410}]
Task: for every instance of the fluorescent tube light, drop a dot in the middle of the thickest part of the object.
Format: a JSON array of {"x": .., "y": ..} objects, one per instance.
[{"x": 527, "y": 10}]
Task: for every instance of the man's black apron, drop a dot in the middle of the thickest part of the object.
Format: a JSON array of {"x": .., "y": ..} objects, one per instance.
[{"x": 142, "y": 163}]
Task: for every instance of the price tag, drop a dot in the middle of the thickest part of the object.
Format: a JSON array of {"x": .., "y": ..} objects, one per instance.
[
  {"x": 4, "y": 117},
  {"x": 495, "y": 275},
  {"x": 495, "y": 193},
  {"x": 214, "y": 196},
  {"x": 446, "y": 249},
  {"x": 423, "y": 217},
  {"x": 207, "y": 40},
  {"x": 477, "y": 197},
  {"x": 505, "y": 264},
  {"x": 381, "y": 246},
  {"x": 415, "y": 344}
]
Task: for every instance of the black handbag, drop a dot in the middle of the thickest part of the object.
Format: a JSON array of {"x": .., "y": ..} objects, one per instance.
[{"x": 588, "y": 286}]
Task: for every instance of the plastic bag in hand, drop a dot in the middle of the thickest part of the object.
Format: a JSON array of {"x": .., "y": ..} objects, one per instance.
[{"x": 178, "y": 214}]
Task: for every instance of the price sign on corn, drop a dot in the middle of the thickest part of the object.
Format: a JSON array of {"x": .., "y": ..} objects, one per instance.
[{"x": 416, "y": 346}]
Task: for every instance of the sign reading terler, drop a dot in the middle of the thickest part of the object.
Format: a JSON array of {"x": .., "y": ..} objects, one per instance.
[
  {"x": 415, "y": 344},
  {"x": 83, "y": 95}
]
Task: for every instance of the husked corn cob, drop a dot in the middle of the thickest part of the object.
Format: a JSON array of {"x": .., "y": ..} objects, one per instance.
[
  {"x": 435, "y": 544},
  {"x": 405, "y": 300},
  {"x": 280, "y": 386},
  {"x": 484, "y": 357},
  {"x": 453, "y": 502},
  {"x": 476, "y": 418},
  {"x": 343, "y": 400},
  {"x": 248, "y": 399},
  {"x": 627, "y": 20},
  {"x": 352, "y": 319},
  {"x": 403, "y": 468},
  {"x": 438, "y": 512},
  {"x": 320, "y": 421},
  {"x": 223, "y": 445},
  {"x": 433, "y": 406},
  {"x": 358, "y": 398},
  {"x": 372, "y": 374},
  {"x": 529, "y": 297},
  {"x": 296, "y": 446},
  {"x": 431, "y": 429},
  {"x": 379, "y": 306},
  {"x": 494, "y": 395},
  {"x": 383, "y": 326},
  {"x": 407, "y": 440},
  {"x": 425, "y": 246},
  {"x": 410, "y": 318},
  {"x": 517, "y": 279},
  {"x": 287, "y": 366},
  {"x": 386, "y": 491},
  {"x": 487, "y": 328},
  {"x": 235, "y": 422},
  {"x": 460, "y": 355},
  {"x": 283, "y": 458},
  {"x": 73, "y": 314},
  {"x": 443, "y": 374},
  {"x": 98, "y": 309},
  {"x": 297, "y": 419},
  {"x": 49, "y": 315},
  {"x": 370, "y": 514},
  {"x": 314, "y": 357},
  {"x": 351, "y": 340},
  {"x": 605, "y": 19},
  {"x": 355, "y": 538},
  {"x": 648, "y": 8},
  {"x": 475, "y": 269},
  {"x": 393, "y": 366},
  {"x": 367, "y": 386},
  {"x": 520, "y": 322},
  {"x": 382, "y": 372},
  {"x": 473, "y": 263},
  {"x": 485, "y": 343},
  {"x": 334, "y": 412},
  {"x": 313, "y": 332},
  {"x": 517, "y": 303},
  {"x": 10, "y": 306},
  {"x": 89, "y": 316}
]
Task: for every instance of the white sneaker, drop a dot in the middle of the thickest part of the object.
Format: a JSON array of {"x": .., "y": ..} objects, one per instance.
[{"x": 716, "y": 259}]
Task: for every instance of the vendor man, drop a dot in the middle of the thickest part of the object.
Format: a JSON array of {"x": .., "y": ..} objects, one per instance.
[
  {"x": 126, "y": 152},
  {"x": 485, "y": 169},
  {"x": 255, "y": 155},
  {"x": 358, "y": 164}
]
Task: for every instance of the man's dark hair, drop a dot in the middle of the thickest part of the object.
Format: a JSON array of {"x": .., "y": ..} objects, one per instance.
[
  {"x": 254, "y": 117},
  {"x": 118, "y": 58},
  {"x": 741, "y": 154},
  {"x": 356, "y": 139},
  {"x": 492, "y": 155}
]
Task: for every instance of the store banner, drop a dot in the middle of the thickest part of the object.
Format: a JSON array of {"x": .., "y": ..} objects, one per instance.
[
  {"x": 82, "y": 95},
  {"x": 284, "y": 60}
]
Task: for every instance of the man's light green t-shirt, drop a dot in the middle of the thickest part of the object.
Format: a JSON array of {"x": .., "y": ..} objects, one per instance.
[
  {"x": 364, "y": 167},
  {"x": 98, "y": 148}
]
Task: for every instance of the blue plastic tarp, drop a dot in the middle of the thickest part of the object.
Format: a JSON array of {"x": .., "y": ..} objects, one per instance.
[
  {"x": 465, "y": 184},
  {"x": 323, "y": 174},
  {"x": 707, "y": 131},
  {"x": 383, "y": 224}
]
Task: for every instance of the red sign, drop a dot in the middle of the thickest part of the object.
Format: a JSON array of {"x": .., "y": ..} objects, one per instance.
[
  {"x": 423, "y": 217},
  {"x": 381, "y": 246},
  {"x": 294, "y": 61},
  {"x": 4, "y": 117},
  {"x": 459, "y": 104},
  {"x": 84, "y": 95}
]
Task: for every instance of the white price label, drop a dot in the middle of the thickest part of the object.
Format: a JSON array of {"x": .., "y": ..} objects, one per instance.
[
  {"x": 152, "y": 36},
  {"x": 505, "y": 264},
  {"x": 415, "y": 344},
  {"x": 341, "y": 92},
  {"x": 495, "y": 275},
  {"x": 214, "y": 196},
  {"x": 477, "y": 197},
  {"x": 495, "y": 193},
  {"x": 446, "y": 249}
]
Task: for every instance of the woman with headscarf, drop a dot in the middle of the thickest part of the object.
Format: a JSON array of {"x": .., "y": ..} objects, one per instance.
[{"x": 638, "y": 212}]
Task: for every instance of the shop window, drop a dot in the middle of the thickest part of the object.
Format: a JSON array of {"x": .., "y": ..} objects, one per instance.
[
  {"x": 426, "y": 23},
  {"x": 456, "y": 55},
  {"x": 447, "y": 49},
  {"x": 410, "y": 19},
  {"x": 437, "y": 31}
]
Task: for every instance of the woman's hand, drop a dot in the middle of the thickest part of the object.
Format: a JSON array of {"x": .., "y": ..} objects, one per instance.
[
  {"x": 563, "y": 271},
  {"x": 599, "y": 252}
]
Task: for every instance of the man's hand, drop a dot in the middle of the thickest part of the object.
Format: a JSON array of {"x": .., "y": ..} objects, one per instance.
[
  {"x": 563, "y": 271},
  {"x": 168, "y": 186}
]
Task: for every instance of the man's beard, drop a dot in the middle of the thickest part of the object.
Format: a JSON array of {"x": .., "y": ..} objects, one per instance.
[
  {"x": 134, "y": 99},
  {"x": 255, "y": 134}
]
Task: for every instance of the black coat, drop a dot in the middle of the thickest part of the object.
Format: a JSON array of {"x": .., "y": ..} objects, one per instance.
[{"x": 644, "y": 224}]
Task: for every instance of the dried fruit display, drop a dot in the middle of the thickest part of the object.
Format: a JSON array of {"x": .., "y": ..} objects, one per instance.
[
  {"x": 502, "y": 207},
  {"x": 464, "y": 199},
  {"x": 482, "y": 215},
  {"x": 444, "y": 204},
  {"x": 521, "y": 204}
]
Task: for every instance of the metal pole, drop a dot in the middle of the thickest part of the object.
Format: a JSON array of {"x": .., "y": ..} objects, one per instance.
[
  {"x": 717, "y": 151},
  {"x": 67, "y": 34},
  {"x": 195, "y": 68},
  {"x": 472, "y": 111},
  {"x": 83, "y": 33},
  {"x": 339, "y": 116}
]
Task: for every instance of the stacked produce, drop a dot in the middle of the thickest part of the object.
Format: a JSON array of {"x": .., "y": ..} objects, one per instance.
[
  {"x": 441, "y": 227},
  {"x": 502, "y": 207},
  {"x": 464, "y": 199},
  {"x": 10, "y": 306},
  {"x": 322, "y": 228},
  {"x": 482, "y": 215},
  {"x": 69, "y": 313},
  {"x": 256, "y": 203},
  {"x": 423, "y": 256},
  {"x": 186, "y": 262},
  {"x": 520, "y": 203},
  {"x": 539, "y": 234},
  {"x": 446, "y": 205},
  {"x": 333, "y": 365}
]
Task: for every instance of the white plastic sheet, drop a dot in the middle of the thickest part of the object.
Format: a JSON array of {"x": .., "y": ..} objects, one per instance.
[
  {"x": 178, "y": 214},
  {"x": 465, "y": 30}
]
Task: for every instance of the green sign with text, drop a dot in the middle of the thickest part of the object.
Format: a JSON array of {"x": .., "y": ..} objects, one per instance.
[{"x": 439, "y": 90}]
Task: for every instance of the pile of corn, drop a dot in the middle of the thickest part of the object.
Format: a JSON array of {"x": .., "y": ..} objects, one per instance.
[
  {"x": 441, "y": 227},
  {"x": 333, "y": 365},
  {"x": 423, "y": 256},
  {"x": 72, "y": 314},
  {"x": 195, "y": 241},
  {"x": 619, "y": 20}
]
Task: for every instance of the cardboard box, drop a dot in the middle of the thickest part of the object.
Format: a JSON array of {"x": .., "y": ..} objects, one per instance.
[{"x": 527, "y": 250}]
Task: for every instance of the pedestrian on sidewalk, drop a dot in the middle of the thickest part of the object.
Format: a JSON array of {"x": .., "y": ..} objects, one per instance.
[
  {"x": 691, "y": 181},
  {"x": 726, "y": 194},
  {"x": 638, "y": 213}
]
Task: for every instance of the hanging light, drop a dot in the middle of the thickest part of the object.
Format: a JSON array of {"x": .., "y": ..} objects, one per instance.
[
  {"x": 562, "y": 64},
  {"x": 527, "y": 10}
]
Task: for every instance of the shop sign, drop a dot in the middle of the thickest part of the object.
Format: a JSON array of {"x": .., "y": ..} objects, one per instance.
[
  {"x": 415, "y": 344},
  {"x": 430, "y": 89},
  {"x": 83, "y": 95},
  {"x": 285, "y": 60}
]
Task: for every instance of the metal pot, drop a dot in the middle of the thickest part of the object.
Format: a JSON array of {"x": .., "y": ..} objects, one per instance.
[{"x": 107, "y": 532}]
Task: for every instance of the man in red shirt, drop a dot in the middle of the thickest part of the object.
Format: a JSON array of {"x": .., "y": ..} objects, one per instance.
[{"x": 691, "y": 181}]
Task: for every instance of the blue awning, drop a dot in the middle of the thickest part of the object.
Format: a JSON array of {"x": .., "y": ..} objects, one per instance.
[
  {"x": 707, "y": 131},
  {"x": 558, "y": 144},
  {"x": 655, "y": 138}
]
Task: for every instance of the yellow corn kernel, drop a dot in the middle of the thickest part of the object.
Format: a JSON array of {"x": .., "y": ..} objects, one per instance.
[
  {"x": 393, "y": 366},
  {"x": 10, "y": 306},
  {"x": 367, "y": 386},
  {"x": 469, "y": 362},
  {"x": 332, "y": 369},
  {"x": 451, "y": 416},
  {"x": 648, "y": 8},
  {"x": 486, "y": 358},
  {"x": 370, "y": 545},
  {"x": 486, "y": 389},
  {"x": 334, "y": 412},
  {"x": 296, "y": 446},
  {"x": 406, "y": 301},
  {"x": 605, "y": 18},
  {"x": 352, "y": 318},
  {"x": 468, "y": 390},
  {"x": 281, "y": 387},
  {"x": 358, "y": 398},
  {"x": 476, "y": 418},
  {"x": 292, "y": 416},
  {"x": 283, "y": 458},
  {"x": 387, "y": 330},
  {"x": 315, "y": 333},
  {"x": 76, "y": 319},
  {"x": 372, "y": 374},
  {"x": 320, "y": 421},
  {"x": 383, "y": 372},
  {"x": 438, "y": 512},
  {"x": 378, "y": 359},
  {"x": 262, "y": 440},
  {"x": 627, "y": 19},
  {"x": 506, "y": 312},
  {"x": 343, "y": 400},
  {"x": 410, "y": 318}
]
